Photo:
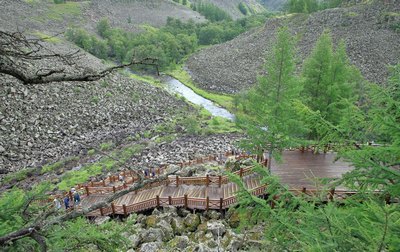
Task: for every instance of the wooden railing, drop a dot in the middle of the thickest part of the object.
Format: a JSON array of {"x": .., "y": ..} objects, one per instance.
[{"x": 185, "y": 201}]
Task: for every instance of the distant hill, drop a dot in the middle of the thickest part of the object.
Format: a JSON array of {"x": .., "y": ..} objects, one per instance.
[{"x": 368, "y": 30}]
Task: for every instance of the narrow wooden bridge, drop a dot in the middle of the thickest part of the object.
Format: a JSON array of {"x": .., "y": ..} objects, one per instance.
[{"x": 213, "y": 192}]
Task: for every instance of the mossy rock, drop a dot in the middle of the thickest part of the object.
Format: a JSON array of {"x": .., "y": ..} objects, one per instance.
[
  {"x": 178, "y": 226},
  {"x": 192, "y": 221},
  {"x": 234, "y": 220},
  {"x": 151, "y": 221},
  {"x": 202, "y": 227}
]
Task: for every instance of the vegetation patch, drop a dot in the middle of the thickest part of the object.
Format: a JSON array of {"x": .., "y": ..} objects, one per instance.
[{"x": 58, "y": 12}]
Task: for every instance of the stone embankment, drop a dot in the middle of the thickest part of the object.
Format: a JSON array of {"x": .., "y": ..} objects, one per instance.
[
  {"x": 177, "y": 229},
  {"x": 367, "y": 29}
]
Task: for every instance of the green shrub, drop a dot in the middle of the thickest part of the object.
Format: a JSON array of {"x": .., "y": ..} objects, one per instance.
[
  {"x": 59, "y": 1},
  {"x": 243, "y": 8}
]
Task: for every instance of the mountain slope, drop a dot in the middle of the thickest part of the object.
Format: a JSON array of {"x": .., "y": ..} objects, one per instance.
[
  {"x": 371, "y": 46},
  {"x": 232, "y": 6}
]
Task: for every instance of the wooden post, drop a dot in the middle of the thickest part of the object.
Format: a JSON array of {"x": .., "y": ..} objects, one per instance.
[
  {"x": 158, "y": 200},
  {"x": 207, "y": 180},
  {"x": 169, "y": 200},
  {"x": 125, "y": 211},
  {"x": 104, "y": 183},
  {"x": 181, "y": 165},
  {"x": 221, "y": 201},
  {"x": 207, "y": 203},
  {"x": 87, "y": 190},
  {"x": 177, "y": 180},
  {"x": 112, "y": 207},
  {"x": 219, "y": 181},
  {"x": 331, "y": 193},
  {"x": 303, "y": 190},
  {"x": 125, "y": 185},
  {"x": 114, "y": 189},
  {"x": 70, "y": 195},
  {"x": 241, "y": 172},
  {"x": 186, "y": 201},
  {"x": 101, "y": 211},
  {"x": 91, "y": 183}
]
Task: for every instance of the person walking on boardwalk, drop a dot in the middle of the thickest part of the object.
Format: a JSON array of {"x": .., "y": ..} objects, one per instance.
[
  {"x": 77, "y": 199},
  {"x": 57, "y": 204},
  {"x": 66, "y": 202}
]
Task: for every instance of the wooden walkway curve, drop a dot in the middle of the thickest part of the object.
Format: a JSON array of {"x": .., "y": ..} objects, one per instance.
[
  {"x": 215, "y": 192},
  {"x": 298, "y": 171}
]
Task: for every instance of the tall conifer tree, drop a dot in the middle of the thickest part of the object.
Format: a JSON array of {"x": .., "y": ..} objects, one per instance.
[{"x": 270, "y": 119}]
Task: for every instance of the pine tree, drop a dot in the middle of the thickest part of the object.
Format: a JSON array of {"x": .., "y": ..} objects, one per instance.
[
  {"x": 270, "y": 119},
  {"x": 329, "y": 82}
]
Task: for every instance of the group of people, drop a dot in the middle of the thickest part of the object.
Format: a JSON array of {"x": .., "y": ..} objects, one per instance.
[
  {"x": 75, "y": 197},
  {"x": 149, "y": 173}
]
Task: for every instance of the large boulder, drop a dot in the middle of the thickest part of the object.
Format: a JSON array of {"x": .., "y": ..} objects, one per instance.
[
  {"x": 178, "y": 226},
  {"x": 179, "y": 242},
  {"x": 191, "y": 222},
  {"x": 135, "y": 240},
  {"x": 217, "y": 228},
  {"x": 150, "y": 247},
  {"x": 151, "y": 221},
  {"x": 152, "y": 235},
  {"x": 167, "y": 230}
]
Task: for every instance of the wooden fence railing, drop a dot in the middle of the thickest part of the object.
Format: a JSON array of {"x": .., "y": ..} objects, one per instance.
[{"x": 185, "y": 201}]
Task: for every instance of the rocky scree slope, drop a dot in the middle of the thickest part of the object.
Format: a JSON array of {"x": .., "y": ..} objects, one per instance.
[
  {"x": 40, "y": 123},
  {"x": 371, "y": 45},
  {"x": 55, "y": 18},
  {"x": 129, "y": 15}
]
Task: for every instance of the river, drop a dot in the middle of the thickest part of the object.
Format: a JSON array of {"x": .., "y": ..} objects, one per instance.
[{"x": 175, "y": 86}]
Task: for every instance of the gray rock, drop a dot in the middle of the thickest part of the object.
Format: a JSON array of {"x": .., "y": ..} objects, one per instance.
[
  {"x": 217, "y": 228},
  {"x": 212, "y": 214},
  {"x": 191, "y": 222},
  {"x": 150, "y": 247},
  {"x": 182, "y": 212},
  {"x": 101, "y": 220},
  {"x": 178, "y": 225},
  {"x": 180, "y": 242},
  {"x": 152, "y": 235},
  {"x": 135, "y": 240},
  {"x": 167, "y": 230}
]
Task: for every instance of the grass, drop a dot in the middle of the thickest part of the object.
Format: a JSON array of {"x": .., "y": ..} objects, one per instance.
[
  {"x": 17, "y": 176},
  {"x": 147, "y": 79},
  {"x": 119, "y": 157},
  {"x": 106, "y": 146},
  {"x": 47, "y": 38},
  {"x": 58, "y": 12},
  {"x": 223, "y": 100}
]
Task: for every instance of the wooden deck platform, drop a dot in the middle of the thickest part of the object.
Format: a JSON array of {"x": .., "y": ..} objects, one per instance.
[{"x": 298, "y": 170}]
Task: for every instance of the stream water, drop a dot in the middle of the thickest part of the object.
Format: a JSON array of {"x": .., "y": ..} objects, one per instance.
[{"x": 175, "y": 86}]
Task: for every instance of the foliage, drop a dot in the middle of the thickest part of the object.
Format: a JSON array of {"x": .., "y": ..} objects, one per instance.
[
  {"x": 269, "y": 118},
  {"x": 211, "y": 11},
  {"x": 243, "y": 8},
  {"x": 309, "y": 6},
  {"x": 170, "y": 44},
  {"x": 329, "y": 87},
  {"x": 80, "y": 235}
]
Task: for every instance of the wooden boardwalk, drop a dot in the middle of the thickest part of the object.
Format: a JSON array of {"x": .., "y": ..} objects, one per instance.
[{"x": 297, "y": 170}]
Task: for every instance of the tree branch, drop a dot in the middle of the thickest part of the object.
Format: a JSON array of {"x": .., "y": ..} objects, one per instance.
[{"x": 44, "y": 225}]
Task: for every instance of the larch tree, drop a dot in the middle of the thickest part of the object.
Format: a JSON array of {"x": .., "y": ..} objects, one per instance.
[
  {"x": 329, "y": 84},
  {"x": 270, "y": 119}
]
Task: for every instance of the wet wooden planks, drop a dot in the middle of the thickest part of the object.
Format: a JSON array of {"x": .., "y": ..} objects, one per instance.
[{"x": 300, "y": 169}]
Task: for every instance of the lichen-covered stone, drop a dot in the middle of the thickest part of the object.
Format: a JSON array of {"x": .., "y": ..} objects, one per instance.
[{"x": 192, "y": 221}]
